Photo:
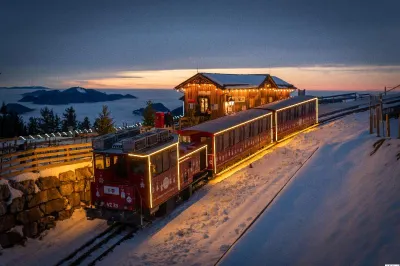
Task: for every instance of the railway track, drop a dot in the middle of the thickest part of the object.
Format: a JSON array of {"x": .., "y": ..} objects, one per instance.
[{"x": 99, "y": 246}]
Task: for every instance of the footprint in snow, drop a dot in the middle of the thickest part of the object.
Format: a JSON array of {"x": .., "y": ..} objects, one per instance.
[{"x": 224, "y": 248}]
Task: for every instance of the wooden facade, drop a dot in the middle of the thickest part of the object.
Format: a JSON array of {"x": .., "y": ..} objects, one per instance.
[{"x": 209, "y": 96}]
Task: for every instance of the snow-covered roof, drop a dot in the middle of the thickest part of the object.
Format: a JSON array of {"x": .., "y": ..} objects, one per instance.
[
  {"x": 285, "y": 103},
  {"x": 281, "y": 83},
  {"x": 219, "y": 124},
  {"x": 239, "y": 81},
  {"x": 223, "y": 80}
]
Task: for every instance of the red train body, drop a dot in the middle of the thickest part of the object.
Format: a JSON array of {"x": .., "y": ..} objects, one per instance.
[{"x": 138, "y": 175}]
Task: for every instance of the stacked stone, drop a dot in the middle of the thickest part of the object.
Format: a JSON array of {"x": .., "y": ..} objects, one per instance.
[{"x": 38, "y": 211}]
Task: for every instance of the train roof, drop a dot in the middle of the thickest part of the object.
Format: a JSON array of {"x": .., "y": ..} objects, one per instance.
[
  {"x": 117, "y": 147},
  {"x": 274, "y": 106},
  {"x": 219, "y": 124}
]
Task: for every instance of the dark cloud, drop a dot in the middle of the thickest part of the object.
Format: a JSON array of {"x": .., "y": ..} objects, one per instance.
[{"x": 56, "y": 38}]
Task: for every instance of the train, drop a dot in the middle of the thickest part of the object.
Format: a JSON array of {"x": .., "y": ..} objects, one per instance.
[{"x": 142, "y": 175}]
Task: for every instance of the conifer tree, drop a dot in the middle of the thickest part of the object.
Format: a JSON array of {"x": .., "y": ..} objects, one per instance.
[
  {"x": 104, "y": 123},
  {"x": 33, "y": 126},
  {"x": 49, "y": 122},
  {"x": 3, "y": 109},
  {"x": 69, "y": 119},
  {"x": 149, "y": 115},
  {"x": 85, "y": 124}
]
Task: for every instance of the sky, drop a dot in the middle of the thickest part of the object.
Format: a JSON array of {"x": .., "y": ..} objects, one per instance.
[{"x": 313, "y": 44}]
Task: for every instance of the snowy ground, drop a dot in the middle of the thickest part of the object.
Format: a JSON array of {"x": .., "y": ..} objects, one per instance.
[
  {"x": 199, "y": 231},
  {"x": 59, "y": 242},
  {"x": 343, "y": 208}
]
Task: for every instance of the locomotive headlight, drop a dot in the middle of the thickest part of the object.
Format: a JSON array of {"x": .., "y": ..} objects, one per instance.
[{"x": 129, "y": 199}]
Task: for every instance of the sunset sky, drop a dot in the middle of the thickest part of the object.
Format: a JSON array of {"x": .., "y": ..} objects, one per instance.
[{"x": 313, "y": 44}]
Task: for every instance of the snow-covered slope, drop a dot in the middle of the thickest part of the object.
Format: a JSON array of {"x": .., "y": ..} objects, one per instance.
[{"x": 343, "y": 208}]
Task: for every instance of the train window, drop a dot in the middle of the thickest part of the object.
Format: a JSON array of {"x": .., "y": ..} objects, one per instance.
[
  {"x": 226, "y": 140},
  {"x": 237, "y": 134},
  {"x": 138, "y": 166},
  {"x": 156, "y": 164},
  {"x": 165, "y": 162},
  {"x": 99, "y": 161},
  {"x": 172, "y": 157},
  {"x": 107, "y": 161},
  {"x": 119, "y": 166}
]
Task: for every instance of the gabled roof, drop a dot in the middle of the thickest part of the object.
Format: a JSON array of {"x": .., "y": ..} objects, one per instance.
[
  {"x": 239, "y": 81},
  {"x": 254, "y": 80}
]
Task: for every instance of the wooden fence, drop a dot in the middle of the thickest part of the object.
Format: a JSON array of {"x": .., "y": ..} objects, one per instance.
[{"x": 42, "y": 158}]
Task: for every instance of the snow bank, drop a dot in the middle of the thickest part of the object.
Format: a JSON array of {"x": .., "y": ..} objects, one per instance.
[
  {"x": 51, "y": 171},
  {"x": 59, "y": 242},
  {"x": 342, "y": 209}
]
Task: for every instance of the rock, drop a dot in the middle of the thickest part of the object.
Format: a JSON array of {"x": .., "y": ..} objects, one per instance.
[
  {"x": 31, "y": 230},
  {"x": 85, "y": 197},
  {"x": 82, "y": 173},
  {"x": 3, "y": 208},
  {"x": 6, "y": 222},
  {"x": 47, "y": 222},
  {"x": 17, "y": 204},
  {"x": 30, "y": 215},
  {"x": 79, "y": 186},
  {"x": 4, "y": 241},
  {"x": 67, "y": 176},
  {"x": 48, "y": 182},
  {"x": 26, "y": 186},
  {"x": 66, "y": 189},
  {"x": 65, "y": 214},
  {"x": 52, "y": 206},
  {"x": 53, "y": 194},
  {"x": 4, "y": 192},
  {"x": 37, "y": 199},
  {"x": 74, "y": 199}
]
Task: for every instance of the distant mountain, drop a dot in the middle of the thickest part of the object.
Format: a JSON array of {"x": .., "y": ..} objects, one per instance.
[
  {"x": 71, "y": 95},
  {"x": 34, "y": 93},
  {"x": 159, "y": 107},
  {"x": 17, "y": 108},
  {"x": 26, "y": 88}
]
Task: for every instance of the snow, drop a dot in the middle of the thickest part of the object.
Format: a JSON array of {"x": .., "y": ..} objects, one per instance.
[
  {"x": 81, "y": 90},
  {"x": 51, "y": 171},
  {"x": 280, "y": 82},
  {"x": 65, "y": 238},
  {"x": 342, "y": 208},
  {"x": 202, "y": 229},
  {"x": 236, "y": 79},
  {"x": 15, "y": 193}
]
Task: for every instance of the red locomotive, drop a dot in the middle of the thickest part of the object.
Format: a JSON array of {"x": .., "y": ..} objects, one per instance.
[{"x": 140, "y": 175}]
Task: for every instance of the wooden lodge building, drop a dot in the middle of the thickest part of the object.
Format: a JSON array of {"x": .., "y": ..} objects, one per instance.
[{"x": 211, "y": 95}]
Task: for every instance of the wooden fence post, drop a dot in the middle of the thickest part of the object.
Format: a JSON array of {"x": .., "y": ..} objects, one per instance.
[
  {"x": 378, "y": 133},
  {"x": 370, "y": 116},
  {"x": 399, "y": 127},
  {"x": 387, "y": 126}
]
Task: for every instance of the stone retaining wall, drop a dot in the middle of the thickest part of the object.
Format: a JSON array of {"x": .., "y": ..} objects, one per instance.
[{"x": 42, "y": 202}]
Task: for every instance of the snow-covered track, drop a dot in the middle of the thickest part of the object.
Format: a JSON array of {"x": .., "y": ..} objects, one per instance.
[{"x": 91, "y": 247}]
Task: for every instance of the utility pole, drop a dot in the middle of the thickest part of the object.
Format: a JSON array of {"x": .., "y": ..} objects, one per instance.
[{"x": 370, "y": 115}]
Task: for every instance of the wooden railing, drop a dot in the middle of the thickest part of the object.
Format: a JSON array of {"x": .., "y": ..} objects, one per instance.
[{"x": 42, "y": 158}]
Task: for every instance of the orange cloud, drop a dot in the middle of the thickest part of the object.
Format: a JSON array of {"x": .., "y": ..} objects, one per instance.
[{"x": 314, "y": 78}]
